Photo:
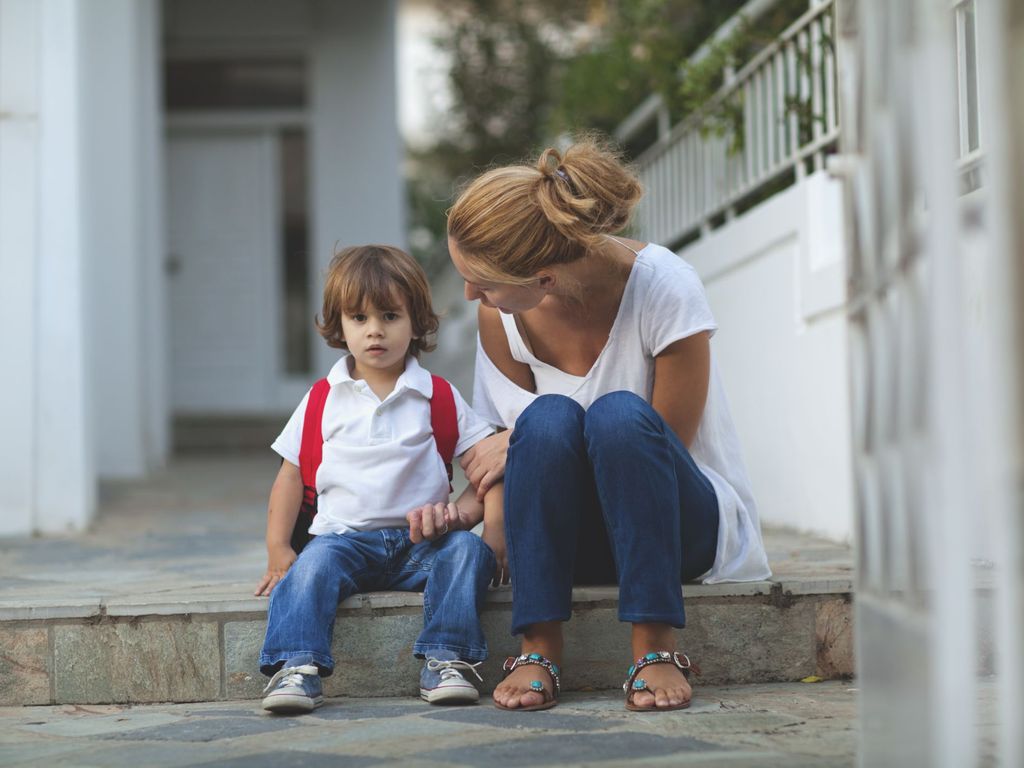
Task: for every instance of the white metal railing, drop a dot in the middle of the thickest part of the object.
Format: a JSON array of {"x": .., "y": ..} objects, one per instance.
[
  {"x": 785, "y": 114},
  {"x": 969, "y": 150}
]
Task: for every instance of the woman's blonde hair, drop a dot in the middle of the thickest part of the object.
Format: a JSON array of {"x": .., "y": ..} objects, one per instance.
[
  {"x": 380, "y": 276},
  {"x": 512, "y": 222}
]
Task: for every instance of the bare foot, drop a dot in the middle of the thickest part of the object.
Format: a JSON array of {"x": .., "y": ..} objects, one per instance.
[
  {"x": 670, "y": 688},
  {"x": 514, "y": 691}
]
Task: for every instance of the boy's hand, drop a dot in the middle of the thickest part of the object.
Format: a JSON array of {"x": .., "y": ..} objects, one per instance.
[
  {"x": 432, "y": 521},
  {"x": 279, "y": 560},
  {"x": 494, "y": 537}
]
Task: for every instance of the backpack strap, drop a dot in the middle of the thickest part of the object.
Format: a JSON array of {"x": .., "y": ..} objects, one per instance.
[
  {"x": 444, "y": 421},
  {"x": 311, "y": 451}
]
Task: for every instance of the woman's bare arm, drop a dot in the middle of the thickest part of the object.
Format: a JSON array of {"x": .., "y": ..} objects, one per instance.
[
  {"x": 682, "y": 373},
  {"x": 484, "y": 463}
]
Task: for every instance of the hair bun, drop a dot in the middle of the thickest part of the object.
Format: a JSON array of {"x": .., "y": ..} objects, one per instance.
[
  {"x": 549, "y": 161},
  {"x": 515, "y": 220}
]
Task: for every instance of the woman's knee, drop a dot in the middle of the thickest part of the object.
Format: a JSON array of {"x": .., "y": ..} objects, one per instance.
[
  {"x": 548, "y": 420},
  {"x": 617, "y": 416}
]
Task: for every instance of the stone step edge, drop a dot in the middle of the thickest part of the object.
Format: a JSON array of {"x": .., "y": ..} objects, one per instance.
[
  {"x": 184, "y": 658},
  {"x": 229, "y": 600}
]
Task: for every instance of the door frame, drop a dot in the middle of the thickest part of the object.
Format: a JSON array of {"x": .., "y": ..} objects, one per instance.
[{"x": 285, "y": 390}]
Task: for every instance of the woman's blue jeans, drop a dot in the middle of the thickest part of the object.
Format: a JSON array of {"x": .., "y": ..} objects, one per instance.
[
  {"x": 452, "y": 572},
  {"x": 607, "y": 495}
]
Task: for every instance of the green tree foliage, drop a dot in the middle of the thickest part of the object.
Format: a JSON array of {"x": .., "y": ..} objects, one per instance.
[
  {"x": 525, "y": 72},
  {"x": 639, "y": 51},
  {"x": 506, "y": 63}
]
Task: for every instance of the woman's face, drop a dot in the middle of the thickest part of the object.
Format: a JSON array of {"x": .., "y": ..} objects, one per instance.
[{"x": 505, "y": 297}]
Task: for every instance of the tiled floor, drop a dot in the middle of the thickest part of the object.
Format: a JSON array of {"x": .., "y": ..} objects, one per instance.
[{"x": 790, "y": 724}]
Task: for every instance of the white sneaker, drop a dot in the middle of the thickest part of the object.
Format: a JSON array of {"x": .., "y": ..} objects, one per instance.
[
  {"x": 442, "y": 682},
  {"x": 294, "y": 690}
]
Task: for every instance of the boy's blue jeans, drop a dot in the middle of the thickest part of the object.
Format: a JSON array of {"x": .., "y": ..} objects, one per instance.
[
  {"x": 603, "y": 496},
  {"x": 452, "y": 572}
]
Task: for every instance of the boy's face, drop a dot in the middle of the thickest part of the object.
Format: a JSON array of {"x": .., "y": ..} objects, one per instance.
[{"x": 378, "y": 339}]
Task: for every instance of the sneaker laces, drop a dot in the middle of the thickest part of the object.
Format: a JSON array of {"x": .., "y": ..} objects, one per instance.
[
  {"x": 291, "y": 675},
  {"x": 450, "y": 668}
]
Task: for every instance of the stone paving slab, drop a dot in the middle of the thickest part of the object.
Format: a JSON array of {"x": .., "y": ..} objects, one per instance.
[
  {"x": 790, "y": 724},
  {"x": 191, "y": 537}
]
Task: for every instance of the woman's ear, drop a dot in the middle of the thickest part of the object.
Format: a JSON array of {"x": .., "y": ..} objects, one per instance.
[{"x": 546, "y": 280}]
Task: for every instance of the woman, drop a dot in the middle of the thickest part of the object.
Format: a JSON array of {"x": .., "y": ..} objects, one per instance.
[{"x": 621, "y": 463}]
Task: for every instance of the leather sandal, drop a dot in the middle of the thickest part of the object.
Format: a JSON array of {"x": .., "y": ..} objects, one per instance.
[
  {"x": 634, "y": 684},
  {"x": 536, "y": 686}
]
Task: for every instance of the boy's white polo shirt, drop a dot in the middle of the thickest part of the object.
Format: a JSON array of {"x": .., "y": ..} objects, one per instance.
[{"x": 380, "y": 460}]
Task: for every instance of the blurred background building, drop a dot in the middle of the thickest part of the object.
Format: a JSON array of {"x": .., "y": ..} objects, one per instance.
[
  {"x": 173, "y": 180},
  {"x": 175, "y": 175}
]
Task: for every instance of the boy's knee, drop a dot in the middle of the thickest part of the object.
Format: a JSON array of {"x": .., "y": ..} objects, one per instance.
[
  {"x": 466, "y": 546},
  {"x": 309, "y": 566}
]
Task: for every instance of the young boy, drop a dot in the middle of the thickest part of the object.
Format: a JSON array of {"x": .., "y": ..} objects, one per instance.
[{"x": 382, "y": 518}]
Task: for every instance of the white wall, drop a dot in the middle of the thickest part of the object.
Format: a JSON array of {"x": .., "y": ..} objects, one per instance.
[
  {"x": 357, "y": 192},
  {"x": 47, "y": 471},
  {"x": 356, "y": 152},
  {"x": 156, "y": 425},
  {"x": 19, "y": 181},
  {"x": 775, "y": 280},
  {"x": 123, "y": 245}
]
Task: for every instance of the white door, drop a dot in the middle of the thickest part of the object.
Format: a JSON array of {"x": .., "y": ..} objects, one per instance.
[{"x": 223, "y": 276}]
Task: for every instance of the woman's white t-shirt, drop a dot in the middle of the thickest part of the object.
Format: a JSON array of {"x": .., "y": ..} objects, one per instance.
[{"x": 663, "y": 302}]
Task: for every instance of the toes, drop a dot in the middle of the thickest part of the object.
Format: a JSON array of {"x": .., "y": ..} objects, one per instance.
[
  {"x": 515, "y": 698},
  {"x": 531, "y": 699},
  {"x": 643, "y": 698}
]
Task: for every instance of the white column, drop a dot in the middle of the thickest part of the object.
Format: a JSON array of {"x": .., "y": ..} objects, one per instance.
[
  {"x": 155, "y": 326},
  {"x": 19, "y": 151},
  {"x": 63, "y": 469},
  {"x": 119, "y": 248},
  {"x": 357, "y": 187},
  {"x": 47, "y": 474}
]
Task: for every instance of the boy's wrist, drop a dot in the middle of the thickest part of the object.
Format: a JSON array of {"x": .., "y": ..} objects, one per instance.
[{"x": 275, "y": 544}]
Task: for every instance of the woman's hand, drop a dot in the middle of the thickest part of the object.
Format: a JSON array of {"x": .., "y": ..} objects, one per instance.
[
  {"x": 279, "y": 560},
  {"x": 484, "y": 463}
]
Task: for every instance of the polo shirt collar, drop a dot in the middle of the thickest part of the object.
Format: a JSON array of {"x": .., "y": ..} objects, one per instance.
[{"x": 414, "y": 376}]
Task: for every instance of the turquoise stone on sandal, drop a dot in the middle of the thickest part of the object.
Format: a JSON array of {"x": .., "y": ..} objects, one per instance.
[
  {"x": 537, "y": 685},
  {"x": 634, "y": 684}
]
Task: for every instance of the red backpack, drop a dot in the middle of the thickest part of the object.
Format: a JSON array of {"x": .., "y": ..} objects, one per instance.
[{"x": 443, "y": 421}]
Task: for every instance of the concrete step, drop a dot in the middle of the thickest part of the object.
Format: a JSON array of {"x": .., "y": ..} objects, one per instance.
[
  {"x": 155, "y": 605},
  {"x": 204, "y": 648}
]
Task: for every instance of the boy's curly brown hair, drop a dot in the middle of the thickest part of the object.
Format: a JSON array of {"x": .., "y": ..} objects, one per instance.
[{"x": 383, "y": 277}]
